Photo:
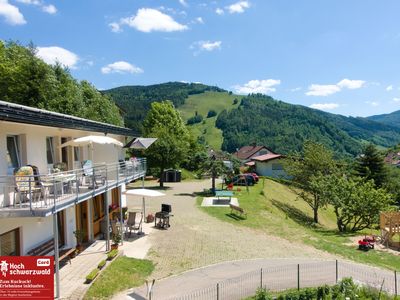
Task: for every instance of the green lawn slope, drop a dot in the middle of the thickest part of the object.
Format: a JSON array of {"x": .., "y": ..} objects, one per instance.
[
  {"x": 275, "y": 209},
  {"x": 202, "y": 103}
]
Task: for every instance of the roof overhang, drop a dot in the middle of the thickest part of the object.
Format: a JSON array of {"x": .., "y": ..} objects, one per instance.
[{"x": 17, "y": 113}]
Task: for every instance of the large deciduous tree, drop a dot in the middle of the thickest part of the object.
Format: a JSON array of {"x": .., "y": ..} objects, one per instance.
[
  {"x": 315, "y": 160},
  {"x": 164, "y": 122},
  {"x": 357, "y": 203}
]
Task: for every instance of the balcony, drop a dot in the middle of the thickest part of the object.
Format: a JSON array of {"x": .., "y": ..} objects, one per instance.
[{"x": 44, "y": 195}]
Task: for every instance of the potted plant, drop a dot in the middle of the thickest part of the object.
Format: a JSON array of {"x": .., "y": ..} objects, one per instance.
[
  {"x": 79, "y": 235},
  {"x": 116, "y": 239},
  {"x": 150, "y": 218}
]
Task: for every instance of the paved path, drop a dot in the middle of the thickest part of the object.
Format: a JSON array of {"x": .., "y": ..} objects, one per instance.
[{"x": 239, "y": 279}]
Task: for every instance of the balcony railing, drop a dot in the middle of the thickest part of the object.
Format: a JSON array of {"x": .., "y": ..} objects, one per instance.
[{"x": 54, "y": 191}]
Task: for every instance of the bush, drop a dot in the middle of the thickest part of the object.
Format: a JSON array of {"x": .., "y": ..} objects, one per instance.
[
  {"x": 211, "y": 113},
  {"x": 194, "y": 120},
  {"x": 112, "y": 254},
  {"x": 262, "y": 294},
  {"x": 92, "y": 275},
  {"x": 101, "y": 264}
]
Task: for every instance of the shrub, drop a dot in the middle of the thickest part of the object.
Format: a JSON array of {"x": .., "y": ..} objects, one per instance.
[
  {"x": 211, "y": 113},
  {"x": 112, "y": 254},
  {"x": 262, "y": 294},
  {"x": 101, "y": 264},
  {"x": 194, "y": 120},
  {"x": 92, "y": 275}
]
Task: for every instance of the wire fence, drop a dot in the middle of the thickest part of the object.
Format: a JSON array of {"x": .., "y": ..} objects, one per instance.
[{"x": 291, "y": 276}]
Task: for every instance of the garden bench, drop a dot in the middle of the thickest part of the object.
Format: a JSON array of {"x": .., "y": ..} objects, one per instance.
[
  {"x": 238, "y": 209},
  {"x": 47, "y": 247}
]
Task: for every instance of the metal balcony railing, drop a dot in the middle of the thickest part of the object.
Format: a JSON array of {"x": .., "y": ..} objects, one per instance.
[{"x": 46, "y": 192}]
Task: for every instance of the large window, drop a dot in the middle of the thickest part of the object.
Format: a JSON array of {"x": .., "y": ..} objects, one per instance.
[
  {"x": 50, "y": 150},
  {"x": 13, "y": 154},
  {"x": 9, "y": 243}
]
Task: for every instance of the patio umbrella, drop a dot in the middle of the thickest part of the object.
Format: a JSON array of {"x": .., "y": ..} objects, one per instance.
[
  {"x": 140, "y": 143},
  {"x": 92, "y": 139},
  {"x": 144, "y": 193}
]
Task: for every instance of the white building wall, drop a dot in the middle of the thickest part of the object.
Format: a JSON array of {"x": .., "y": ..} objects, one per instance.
[
  {"x": 33, "y": 231},
  {"x": 265, "y": 169}
]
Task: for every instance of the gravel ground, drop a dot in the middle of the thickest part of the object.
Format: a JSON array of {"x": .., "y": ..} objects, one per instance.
[{"x": 196, "y": 239}]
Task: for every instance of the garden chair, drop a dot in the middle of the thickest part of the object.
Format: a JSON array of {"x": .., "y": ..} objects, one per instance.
[
  {"x": 26, "y": 185},
  {"x": 131, "y": 223}
]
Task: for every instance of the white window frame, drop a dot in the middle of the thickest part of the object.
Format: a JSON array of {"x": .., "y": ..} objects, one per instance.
[{"x": 11, "y": 168}]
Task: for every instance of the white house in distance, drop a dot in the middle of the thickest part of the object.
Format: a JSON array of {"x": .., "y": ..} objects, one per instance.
[
  {"x": 268, "y": 165},
  {"x": 43, "y": 207}
]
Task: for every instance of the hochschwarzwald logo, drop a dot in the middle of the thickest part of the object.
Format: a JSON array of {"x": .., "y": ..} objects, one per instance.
[{"x": 4, "y": 268}]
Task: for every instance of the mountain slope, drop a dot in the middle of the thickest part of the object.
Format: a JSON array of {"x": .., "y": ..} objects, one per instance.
[
  {"x": 255, "y": 118},
  {"x": 284, "y": 127},
  {"x": 392, "y": 119},
  {"x": 135, "y": 101}
]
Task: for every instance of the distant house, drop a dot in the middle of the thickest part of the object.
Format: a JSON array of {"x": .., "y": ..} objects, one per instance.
[
  {"x": 393, "y": 158},
  {"x": 269, "y": 165},
  {"x": 246, "y": 153}
]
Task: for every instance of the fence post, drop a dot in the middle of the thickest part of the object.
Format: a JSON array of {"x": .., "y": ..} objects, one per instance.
[
  {"x": 261, "y": 279},
  {"x": 395, "y": 283},
  {"x": 217, "y": 291},
  {"x": 337, "y": 271},
  {"x": 298, "y": 276}
]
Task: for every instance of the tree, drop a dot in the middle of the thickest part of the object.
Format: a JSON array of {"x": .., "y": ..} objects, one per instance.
[
  {"x": 215, "y": 167},
  {"x": 165, "y": 123},
  {"x": 316, "y": 160},
  {"x": 370, "y": 165},
  {"x": 211, "y": 113},
  {"x": 356, "y": 203}
]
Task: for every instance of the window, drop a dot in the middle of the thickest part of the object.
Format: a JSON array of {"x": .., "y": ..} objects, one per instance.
[
  {"x": 77, "y": 154},
  {"x": 50, "y": 150},
  {"x": 277, "y": 167},
  {"x": 9, "y": 243},
  {"x": 13, "y": 157}
]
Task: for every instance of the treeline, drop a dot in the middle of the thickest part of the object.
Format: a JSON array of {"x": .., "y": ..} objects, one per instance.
[
  {"x": 284, "y": 127},
  {"x": 28, "y": 80},
  {"x": 136, "y": 100}
]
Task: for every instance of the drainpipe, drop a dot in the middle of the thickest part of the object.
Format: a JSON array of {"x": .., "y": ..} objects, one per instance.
[
  {"x": 107, "y": 222},
  {"x": 56, "y": 254}
]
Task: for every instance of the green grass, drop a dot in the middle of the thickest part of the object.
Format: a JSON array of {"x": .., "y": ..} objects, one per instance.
[
  {"x": 278, "y": 212},
  {"x": 187, "y": 175},
  {"x": 123, "y": 273},
  {"x": 202, "y": 103}
]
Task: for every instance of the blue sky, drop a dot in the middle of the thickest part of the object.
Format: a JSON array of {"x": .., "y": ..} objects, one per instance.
[{"x": 341, "y": 56}]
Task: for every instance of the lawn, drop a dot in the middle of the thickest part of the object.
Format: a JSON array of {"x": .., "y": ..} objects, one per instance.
[
  {"x": 202, "y": 104},
  {"x": 123, "y": 273},
  {"x": 275, "y": 209}
]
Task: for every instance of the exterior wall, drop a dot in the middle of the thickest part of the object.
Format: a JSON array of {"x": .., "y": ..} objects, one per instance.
[
  {"x": 32, "y": 139},
  {"x": 33, "y": 231},
  {"x": 265, "y": 169}
]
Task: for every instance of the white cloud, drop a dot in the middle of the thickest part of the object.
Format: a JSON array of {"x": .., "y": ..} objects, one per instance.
[
  {"x": 149, "y": 19},
  {"x": 52, "y": 55},
  {"x": 50, "y": 9},
  {"x": 200, "y": 20},
  {"x": 205, "y": 46},
  {"x": 372, "y": 103},
  {"x": 183, "y": 2},
  {"x": 115, "y": 27},
  {"x": 238, "y": 7},
  {"x": 219, "y": 11},
  {"x": 263, "y": 86},
  {"x": 296, "y": 89},
  {"x": 329, "y": 89},
  {"x": 389, "y": 88},
  {"x": 322, "y": 90},
  {"x": 121, "y": 67},
  {"x": 11, "y": 13},
  {"x": 351, "y": 84},
  {"x": 396, "y": 99},
  {"x": 324, "y": 106}
]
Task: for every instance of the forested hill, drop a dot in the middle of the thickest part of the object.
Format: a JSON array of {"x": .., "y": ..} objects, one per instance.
[
  {"x": 392, "y": 119},
  {"x": 26, "y": 79},
  {"x": 135, "y": 100},
  {"x": 284, "y": 127}
]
